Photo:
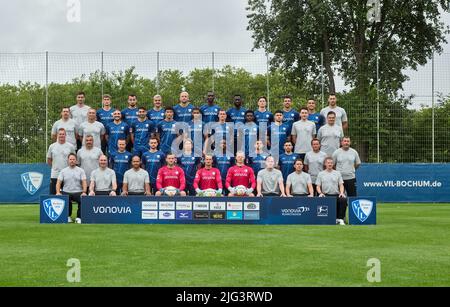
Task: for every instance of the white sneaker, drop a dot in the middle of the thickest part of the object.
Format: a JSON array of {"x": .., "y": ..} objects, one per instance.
[
  {"x": 341, "y": 222},
  {"x": 69, "y": 220},
  {"x": 78, "y": 220}
]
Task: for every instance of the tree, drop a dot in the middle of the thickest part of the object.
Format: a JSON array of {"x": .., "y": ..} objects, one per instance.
[{"x": 296, "y": 32}]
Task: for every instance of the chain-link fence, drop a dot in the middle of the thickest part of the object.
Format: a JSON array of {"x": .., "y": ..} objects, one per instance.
[{"x": 410, "y": 126}]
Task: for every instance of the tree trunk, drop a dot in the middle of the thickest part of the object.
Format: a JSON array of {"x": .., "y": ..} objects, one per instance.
[{"x": 327, "y": 63}]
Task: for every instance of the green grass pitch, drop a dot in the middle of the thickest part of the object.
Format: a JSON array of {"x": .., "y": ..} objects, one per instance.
[{"x": 412, "y": 242}]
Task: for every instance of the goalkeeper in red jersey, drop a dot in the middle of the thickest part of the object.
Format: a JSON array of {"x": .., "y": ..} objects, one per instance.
[
  {"x": 208, "y": 179},
  {"x": 170, "y": 180},
  {"x": 240, "y": 178}
]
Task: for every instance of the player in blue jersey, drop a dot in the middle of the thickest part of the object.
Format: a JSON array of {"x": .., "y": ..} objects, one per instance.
[
  {"x": 216, "y": 132},
  {"x": 117, "y": 130},
  {"x": 141, "y": 130},
  {"x": 120, "y": 163},
  {"x": 166, "y": 130},
  {"x": 287, "y": 160},
  {"x": 156, "y": 114},
  {"x": 105, "y": 116},
  {"x": 262, "y": 115},
  {"x": 258, "y": 161},
  {"x": 190, "y": 163},
  {"x": 223, "y": 161},
  {"x": 314, "y": 116},
  {"x": 247, "y": 134},
  {"x": 210, "y": 110},
  {"x": 152, "y": 161},
  {"x": 130, "y": 114},
  {"x": 237, "y": 114},
  {"x": 196, "y": 132},
  {"x": 183, "y": 110},
  {"x": 290, "y": 116},
  {"x": 278, "y": 133}
]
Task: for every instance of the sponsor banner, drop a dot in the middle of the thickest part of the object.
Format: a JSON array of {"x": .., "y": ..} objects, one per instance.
[
  {"x": 201, "y": 215},
  {"x": 166, "y": 215},
  {"x": 149, "y": 215},
  {"x": 251, "y": 215},
  {"x": 201, "y": 205},
  {"x": 166, "y": 205},
  {"x": 217, "y": 206},
  {"x": 184, "y": 205},
  {"x": 218, "y": 215},
  {"x": 149, "y": 205},
  {"x": 405, "y": 182},
  {"x": 184, "y": 215},
  {"x": 234, "y": 206},
  {"x": 362, "y": 210},
  {"x": 234, "y": 215},
  {"x": 24, "y": 183},
  {"x": 251, "y": 206},
  {"x": 54, "y": 209}
]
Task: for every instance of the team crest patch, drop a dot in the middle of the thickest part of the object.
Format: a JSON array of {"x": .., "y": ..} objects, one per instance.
[
  {"x": 362, "y": 209},
  {"x": 32, "y": 182},
  {"x": 54, "y": 207}
]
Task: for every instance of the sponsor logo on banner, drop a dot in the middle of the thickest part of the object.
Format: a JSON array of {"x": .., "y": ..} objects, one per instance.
[
  {"x": 184, "y": 215},
  {"x": 362, "y": 209},
  {"x": 201, "y": 215},
  {"x": 201, "y": 205},
  {"x": 251, "y": 206},
  {"x": 322, "y": 211},
  {"x": 234, "y": 215},
  {"x": 218, "y": 206},
  {"x": 149, "y": 205},
  {"x": 234, "y": 206},
  {"x": 54, "y": 207},
  {"x": 149, "y": 215},
  {"x": 299, "y": 211},
  {"x": 184, "y": 205},
  {"x": 32, "y": 182},
  {"x": 251, "y": 215},
  {"x": 111, "y": 210},
  {"x": 166, "y": 215},
  {"x": 218, "y": 215},
  {"x": 166, "y": 205}
]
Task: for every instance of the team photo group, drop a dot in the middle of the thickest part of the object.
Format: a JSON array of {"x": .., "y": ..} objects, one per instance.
[{"x": 184, "y": 150}]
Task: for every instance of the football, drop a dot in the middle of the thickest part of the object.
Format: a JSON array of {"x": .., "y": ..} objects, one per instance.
[
  {"x": 210, "y": 193},
  {"x": 241, "y": 190},
  {"x": 170, "y": 191}
]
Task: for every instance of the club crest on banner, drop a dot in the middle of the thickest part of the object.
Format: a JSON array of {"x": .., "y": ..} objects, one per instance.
[
  {"x": 32, "y": 182},
  {"x": 362, "y": 209},
  {"x": 54, "y": 207}
]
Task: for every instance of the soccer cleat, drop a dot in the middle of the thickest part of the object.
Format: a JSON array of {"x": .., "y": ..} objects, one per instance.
[
  {"x": 69, "y": 220},
  {"x": 78, "y": 220},
  {"x": 341, "y": 222}
]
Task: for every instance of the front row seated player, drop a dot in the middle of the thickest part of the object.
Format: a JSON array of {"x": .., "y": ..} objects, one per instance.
[
  {"x": 103, "y": 179},
  {"x": 240, "y": 178},
  {"x": 136, "y": 180},
  {"x": 170, "y": 180},
  {"x": 208, "y": 179}
]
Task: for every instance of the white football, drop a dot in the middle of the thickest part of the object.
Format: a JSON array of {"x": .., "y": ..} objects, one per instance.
[
  {"x": 209, "y": 193},
  {"x": 241, "y": 190},
  {"x": 170, "y": 191}
]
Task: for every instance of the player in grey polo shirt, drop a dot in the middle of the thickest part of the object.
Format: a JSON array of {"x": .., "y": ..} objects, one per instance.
[
  {"x": 313, "y": 163},
  {"x": 136, "y": 181},
  {"x": 68, "y": 124},
  {"x": 92, "y": 127},
  {"x": 330, "y": 135},
  {"x": 303, "y": 131},
  {"x": 330, "y": 183},
  {"x": 299, "y": 183},
  {"x": 88, "y": 157},
  {"x": 75, "y": 186},
  {"x": 79, "y": 113},
  {"x": 103, "y": 179},
  {"x": 270, "y": 180},
  {"x": 347, "y": 161},
  {"x": 341, "y": 115}
]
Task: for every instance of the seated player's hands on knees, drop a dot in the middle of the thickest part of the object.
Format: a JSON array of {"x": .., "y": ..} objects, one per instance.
[
  {"x": 113, "y": 193},
  {"x": 259, "y": 195},
  {"x": 182, "y": 193},
  {"x": 342, "y": 195},
  {"x": 124, "y": 193},
  {"x": 91, "y": 193}
]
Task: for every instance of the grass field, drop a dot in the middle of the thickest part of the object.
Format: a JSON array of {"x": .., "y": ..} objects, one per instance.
[{"x": 412, "y": 241}]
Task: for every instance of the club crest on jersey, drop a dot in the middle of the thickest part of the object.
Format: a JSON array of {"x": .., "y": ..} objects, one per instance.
[
  {"x": 362, "y": 209},
  {"x": 53, "y": 207},
  {"x": 32, "y": 182}
]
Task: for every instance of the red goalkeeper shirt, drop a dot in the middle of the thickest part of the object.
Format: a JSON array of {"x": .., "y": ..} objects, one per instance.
[
  {"x": 240, "y": 175},
  {"x": 208, "y": 179},
  {"x": 171, "y": 177}
]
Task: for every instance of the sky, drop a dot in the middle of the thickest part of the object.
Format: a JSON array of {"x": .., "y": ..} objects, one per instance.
[{"x": 119, "y": 26}]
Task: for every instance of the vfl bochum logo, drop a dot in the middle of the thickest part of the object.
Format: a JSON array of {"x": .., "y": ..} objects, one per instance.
[
  {"x": 54, "y": 207},
  {"x": 32, "y": 182},
  {"x": 362, "y": 209}
]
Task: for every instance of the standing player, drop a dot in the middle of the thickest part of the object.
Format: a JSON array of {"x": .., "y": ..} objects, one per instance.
[
  {"x": 223, "y": 161},
  {"x": 75, "y": 186},
  {"x": 314, "y": 116},
  {"x": 92, "y": 127},
  {"x": 170, "y": 176},
  {"x": 130, "y": 113},
  {"x": 105, "y": 116},
  {"x": 278, "y": 133},
  {"x": 237, "y": 114},
  {"x": 216, "y": 132},
  {"x": 270, "y": 180},
  {"x": 69, "y": 125},
  {"x": 262, "y": 115},
  {"x": 120, "y": 162},
  {"x": 88, "y": 157},
  {"x": 247, "y": 134},
  {"x": 183, "y": 110},
  {"x": 258, "y": 161},
  {"x": 156, "y": 114},
  {"x": 57, "y": 157},
  {"x": 347, "y": 161},
  {"x": 330, "y": 135},
  {"x": 79, "y": 112},
  {"x": 166, "y": 131},
  {"x": 210, "y": 110},
  {"x": 152, "y": 161},
  {"x": 287, "y": 160},
  {"x": 115, "y": 131},
  {"x": 196, "y": 127},
  {"x": 190, "y": 164},
  {"x": 341, "y": 115},
  {"x": 290, "y": 116},
  {"x": 141, "y": 130},
  {"x": 314, "y": 162},
  {"x": 136, "y": 180},
  {"x": 299, "y": 183},
  {"x": 103, "y": 179},
  {"x": 303, "y": 131},
  {"x": 208, "y": 178},
  {"x": 240, "y": 175},
  {"x": 330, "y": 183}
]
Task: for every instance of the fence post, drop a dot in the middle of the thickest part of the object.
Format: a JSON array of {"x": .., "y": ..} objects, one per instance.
[
  {"x": 378, "y": 107},
  {"x": 432, "y": 110},
  {"x": 268, "y": 81},
  {"x": 322, "y": 80},
  {"x": 157, "y": 74},
  {"x": 46, "y": 104},
  {"x": 102, "y": 68},
  {"x": 213, "y": 70}
]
